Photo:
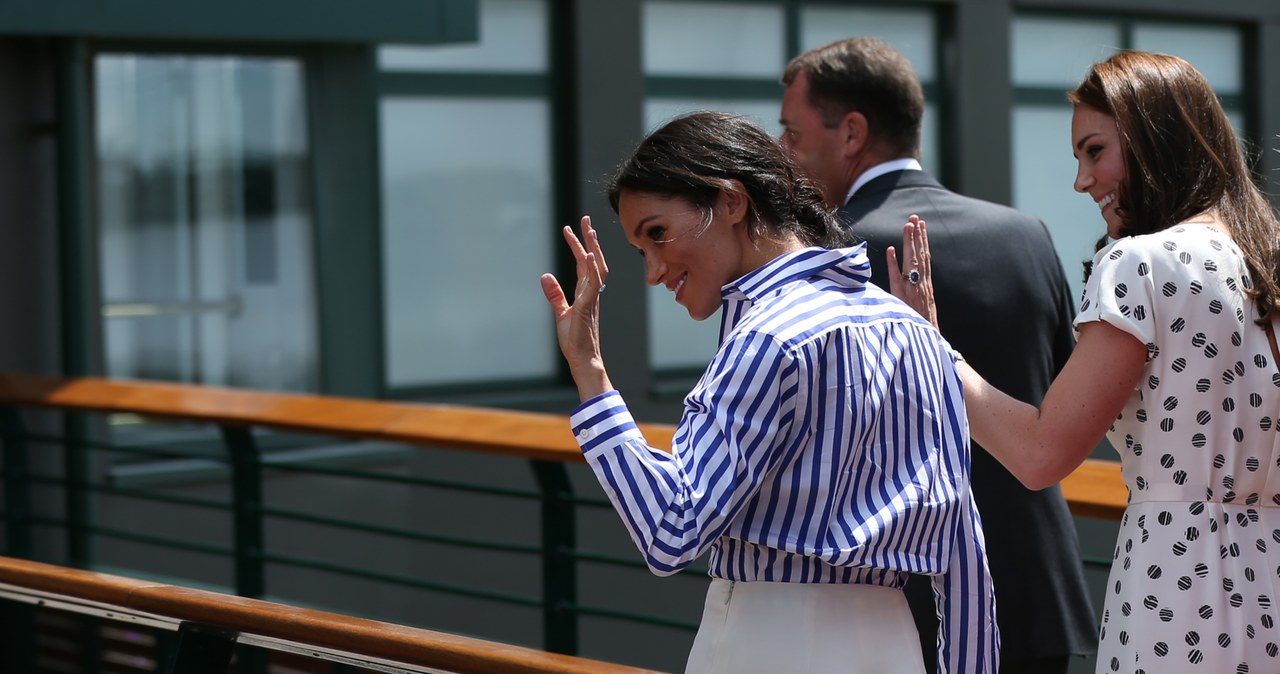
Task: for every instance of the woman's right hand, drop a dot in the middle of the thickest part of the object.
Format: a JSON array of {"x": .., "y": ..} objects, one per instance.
[
  {"x": 578, "y": 325},
  {"x": 914, "y": 285}
]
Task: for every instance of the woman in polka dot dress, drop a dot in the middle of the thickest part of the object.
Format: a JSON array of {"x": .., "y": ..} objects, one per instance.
[{"x": 1174, "y": 364}]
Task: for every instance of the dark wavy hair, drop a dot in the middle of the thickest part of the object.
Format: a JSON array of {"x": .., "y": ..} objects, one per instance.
[
  {"x": 694, "y": 156},
  {"x": 1182, "y": 158}
]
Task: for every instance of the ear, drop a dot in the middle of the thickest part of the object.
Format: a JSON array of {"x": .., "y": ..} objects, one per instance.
[
  {"x": 733, "y": 201},
  {"x": 854, "y": 133}
]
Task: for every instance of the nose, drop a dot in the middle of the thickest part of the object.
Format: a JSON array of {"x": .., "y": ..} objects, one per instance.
[
  {"x": 1084, "y": 178},
  {"x": 653, "y": 269}
]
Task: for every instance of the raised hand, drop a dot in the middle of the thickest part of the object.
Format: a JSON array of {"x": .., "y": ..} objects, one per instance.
[
  {"x": 914, "y": 283},
  {"x": 578, "y": 325}
]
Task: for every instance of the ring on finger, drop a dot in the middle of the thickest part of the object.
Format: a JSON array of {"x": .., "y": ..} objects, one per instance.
[{"x": 912, "y": 276}]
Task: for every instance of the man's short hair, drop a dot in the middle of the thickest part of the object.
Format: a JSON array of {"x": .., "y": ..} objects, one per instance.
[{"x": 869, "y": 76}]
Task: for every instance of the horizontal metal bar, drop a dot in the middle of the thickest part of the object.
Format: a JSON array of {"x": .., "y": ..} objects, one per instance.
[
  {"x": 400, "y": 479},
  {"x": 85, "y": 607},
  {"x": 343, "y": 657},
  {"x": 628, "y": 616},
  {"x": 393, "y": 532},
  {"x": 402, "y": 580},
  {"x": 116, "y": 613},
  {"x": 154, "y": 541},
  {"x": 631, "y": 563},
  {"x": 148, "y": 309}
]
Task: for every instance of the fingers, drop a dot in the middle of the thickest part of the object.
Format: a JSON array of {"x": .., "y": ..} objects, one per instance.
[
  {"x": 589, "y": 257},
  {"x": 554, "y": 294},
  {"x": 592, "y": 239},
  {"x": 896, "y": 285},
  {"x": 926, "y": 258}
]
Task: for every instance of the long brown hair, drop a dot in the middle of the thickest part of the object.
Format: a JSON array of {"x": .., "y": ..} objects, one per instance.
[{"x": 1183, "y": 158}]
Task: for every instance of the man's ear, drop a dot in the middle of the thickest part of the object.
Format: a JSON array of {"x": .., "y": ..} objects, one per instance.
[
  {"x": 854, "y": 133},
  {"x": 733, "y": 201}
]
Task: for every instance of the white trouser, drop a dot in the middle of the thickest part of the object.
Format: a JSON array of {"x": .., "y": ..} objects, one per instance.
[{"x": 780, "y": 628}]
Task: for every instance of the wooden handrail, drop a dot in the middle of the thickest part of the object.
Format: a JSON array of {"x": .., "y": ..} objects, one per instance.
[
  {"x": 376, "y": 642},
  {"x": 528, "y": 434},
  {"x": 1093, "y": 490}
]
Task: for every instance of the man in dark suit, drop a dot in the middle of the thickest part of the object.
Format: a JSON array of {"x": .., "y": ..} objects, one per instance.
[{"x": 851, "y": 115}]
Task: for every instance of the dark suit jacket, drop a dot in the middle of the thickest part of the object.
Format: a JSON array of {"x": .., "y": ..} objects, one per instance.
[{"x": 1004, "y": 304}]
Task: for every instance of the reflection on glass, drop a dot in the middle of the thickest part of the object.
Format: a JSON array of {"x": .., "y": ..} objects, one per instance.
[
  {"x": 910, "y": 31},
  {"x": 513, "y": 38},
  {"x": 713, "y": 39},
  {"x": 466, "y": 207},
  {"x": 1216, "y": 52},
  {"x": 1057, "y": 53},
  {"x": 206, "y": 228}
]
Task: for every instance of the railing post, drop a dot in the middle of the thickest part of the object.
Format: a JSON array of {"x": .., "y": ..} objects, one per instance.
[
  {"x": 246, "y": 506},
  {"x": 246, "y": 490},
  {"x": 202, "y": 650},
  {"x": 78, "y": 259},
  {"x": 17, "y": 638},
  {"x": 559, "y": 570},
  {"x": 17, "y": 492}
]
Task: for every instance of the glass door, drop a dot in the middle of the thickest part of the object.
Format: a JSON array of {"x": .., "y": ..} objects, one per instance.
[{"x": 204, "y": 213}]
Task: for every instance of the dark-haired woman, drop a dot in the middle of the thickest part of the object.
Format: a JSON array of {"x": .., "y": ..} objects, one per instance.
[
  {"x": 823, "y": 455},
  {"x": 1173, "y": 364}
]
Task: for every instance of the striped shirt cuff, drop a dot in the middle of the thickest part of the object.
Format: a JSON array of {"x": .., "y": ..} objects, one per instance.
[{"x": 603, "y": 422}]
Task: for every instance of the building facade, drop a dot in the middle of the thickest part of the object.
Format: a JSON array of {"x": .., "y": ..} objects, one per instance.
[{"x": 358, "y": 198}]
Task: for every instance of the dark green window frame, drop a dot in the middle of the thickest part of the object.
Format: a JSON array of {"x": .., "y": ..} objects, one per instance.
[{"x": 539, "y": 394}]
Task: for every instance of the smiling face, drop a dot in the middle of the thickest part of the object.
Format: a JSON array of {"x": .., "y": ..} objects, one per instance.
[
  {"x": 1095, "y": 143},
  {"x": 692, "y": 258}
]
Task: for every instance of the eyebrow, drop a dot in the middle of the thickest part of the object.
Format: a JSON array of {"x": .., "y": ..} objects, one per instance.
[
  {"x": 1080, "y": 143},
  {"x": 640, "y": 225}
]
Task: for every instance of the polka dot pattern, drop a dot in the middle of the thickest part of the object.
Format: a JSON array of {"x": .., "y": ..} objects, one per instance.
[{"x": 1196, "y": 573}]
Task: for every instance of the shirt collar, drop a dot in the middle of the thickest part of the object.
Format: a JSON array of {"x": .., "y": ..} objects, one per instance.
[
  {"x": 907, "y": 164},
  {"x": 849, "y": 267}
]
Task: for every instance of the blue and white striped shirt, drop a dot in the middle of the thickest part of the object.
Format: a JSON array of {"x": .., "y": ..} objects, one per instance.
[{"x": 825, "y": 443}]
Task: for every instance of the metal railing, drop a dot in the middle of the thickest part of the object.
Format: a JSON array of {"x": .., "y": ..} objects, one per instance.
[
  {"x": 209, "y": 626},
  {"x": 96, "y": 508}
]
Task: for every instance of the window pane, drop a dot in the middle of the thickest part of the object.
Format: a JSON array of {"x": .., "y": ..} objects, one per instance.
[
  {"x": 911, "y": 31},
  {"x": 467, "y": 231},
  {"x": 675, "y": 340},
  {"x": 930, "y": 156},
  {"x": 513, "y": 38},
  {"x": 1215, "y": 52},
  {"x": 713, "y": 39},
  {"x": 203, "y": 172},
  {"x": 1043, "y": 176},
  {"x": 657, "y": 111},
  {"x": 1057, "y": 52}
]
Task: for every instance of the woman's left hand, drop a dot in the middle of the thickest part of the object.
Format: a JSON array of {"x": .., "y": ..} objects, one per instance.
[
  {"x": 914, "y": 285},
  {"x": 578, "y": 325}
]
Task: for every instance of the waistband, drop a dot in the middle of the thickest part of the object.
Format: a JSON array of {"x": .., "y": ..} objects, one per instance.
[{"x": 1172, "y": 493}]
